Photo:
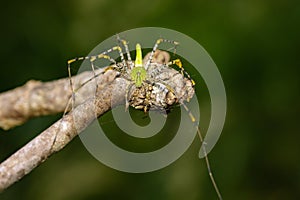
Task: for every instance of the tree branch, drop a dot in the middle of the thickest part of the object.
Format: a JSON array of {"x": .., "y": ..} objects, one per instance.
[
  {"x": 61, "y": 132},
  {"x": 36, "y": 98}
]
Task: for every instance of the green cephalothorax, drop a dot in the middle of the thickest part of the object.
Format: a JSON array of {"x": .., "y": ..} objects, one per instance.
[{"x": 138, "y": 73}]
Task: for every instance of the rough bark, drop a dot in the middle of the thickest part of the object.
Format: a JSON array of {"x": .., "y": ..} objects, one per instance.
[
  {"x": 36, "y": 98},
  {"x": 61, "y": 132}
]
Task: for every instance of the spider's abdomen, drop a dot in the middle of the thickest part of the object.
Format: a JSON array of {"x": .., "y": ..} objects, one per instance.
[{"x": 151, "y": 96}]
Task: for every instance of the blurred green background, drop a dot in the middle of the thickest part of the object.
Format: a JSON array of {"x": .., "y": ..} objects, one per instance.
[{"x": 254, "y": 43}]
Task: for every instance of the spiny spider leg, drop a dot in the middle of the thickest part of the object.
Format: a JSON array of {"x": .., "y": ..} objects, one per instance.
[
  {"x": 193, "y": 119},
  {"x": 128, "y": 88},
  {"x": 155, "y": 48},
  {"x": 178, "y": 63},
  {"x": 125, "y": 44},
  {"x": 92, "y": 59}
]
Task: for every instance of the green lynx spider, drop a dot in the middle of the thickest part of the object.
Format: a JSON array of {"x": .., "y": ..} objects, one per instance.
[{"x": 149, "y": 86}]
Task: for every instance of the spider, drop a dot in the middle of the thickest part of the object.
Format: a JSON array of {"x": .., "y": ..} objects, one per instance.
[{"x": 152, "y": 85}]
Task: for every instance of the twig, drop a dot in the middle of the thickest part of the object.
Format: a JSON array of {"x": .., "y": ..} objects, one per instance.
[
  {"x": 36, "y": 98},
  {"x": 60, "y": 133}
]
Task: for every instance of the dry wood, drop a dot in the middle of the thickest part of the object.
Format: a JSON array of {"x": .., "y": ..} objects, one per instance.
[{"x": 36, "y": 98}]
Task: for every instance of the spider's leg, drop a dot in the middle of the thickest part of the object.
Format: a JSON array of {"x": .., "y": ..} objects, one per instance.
[
  {"x": 125, "y": 44},
  {"x": 193, "y": 119},
  {"x": 178, "y": 63},
  {"x": 155, "y": 48},
  {"x": 92, "y": 59},
  {"x": 119, "y": 49},
  {"x": 128, "y": 88}
]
